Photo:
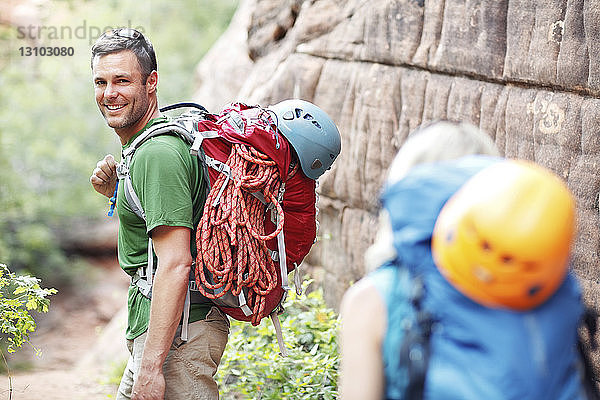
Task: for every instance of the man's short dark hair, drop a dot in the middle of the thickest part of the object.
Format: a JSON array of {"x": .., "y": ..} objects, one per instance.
[{"x": 121, "y": 39}]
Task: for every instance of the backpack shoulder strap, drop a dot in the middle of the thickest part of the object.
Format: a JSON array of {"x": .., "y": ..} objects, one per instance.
[
  {"x": 130, "y": 196},
  {"x": 414, "y": 350},
  {"x": 586, "y": 346},
  {"x": 176, "y": 128},
  {"x": 165, "y": 128}
]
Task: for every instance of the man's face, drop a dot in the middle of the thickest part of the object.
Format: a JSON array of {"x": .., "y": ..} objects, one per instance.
[{"x": 120, "y": 91}]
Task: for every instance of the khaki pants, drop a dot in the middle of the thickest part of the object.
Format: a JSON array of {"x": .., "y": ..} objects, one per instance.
[{"x": 190, "y": 366}]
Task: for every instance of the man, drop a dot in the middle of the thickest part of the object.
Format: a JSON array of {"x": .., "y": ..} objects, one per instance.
[{"x": 168, "y": 181}]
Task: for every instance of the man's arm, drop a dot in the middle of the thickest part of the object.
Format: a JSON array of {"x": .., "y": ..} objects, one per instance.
[{"x": 171, "y": 245}]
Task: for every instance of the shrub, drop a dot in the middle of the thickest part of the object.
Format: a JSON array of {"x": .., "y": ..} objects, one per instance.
[
  {"x": 252, "y": 367},
  {"x": 19, "y": 296}
]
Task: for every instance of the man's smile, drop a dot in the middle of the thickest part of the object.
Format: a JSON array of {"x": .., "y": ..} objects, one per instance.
[{"x": 114, "y": 107}]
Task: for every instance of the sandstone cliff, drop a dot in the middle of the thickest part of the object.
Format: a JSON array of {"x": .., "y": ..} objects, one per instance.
[{"x": 526, "y": 72}]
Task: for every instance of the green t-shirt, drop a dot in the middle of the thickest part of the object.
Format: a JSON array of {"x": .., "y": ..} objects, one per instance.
[{"x": 168, "y": 181}]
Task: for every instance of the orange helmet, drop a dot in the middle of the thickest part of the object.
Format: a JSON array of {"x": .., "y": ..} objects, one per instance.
[{"x": 504, "y": 238}]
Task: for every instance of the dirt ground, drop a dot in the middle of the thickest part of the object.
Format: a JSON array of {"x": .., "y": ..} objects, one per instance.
[{"x": 81, "y": 340}]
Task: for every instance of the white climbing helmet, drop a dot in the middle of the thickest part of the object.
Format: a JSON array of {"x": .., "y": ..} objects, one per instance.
[{"x": 311, "y": 132}]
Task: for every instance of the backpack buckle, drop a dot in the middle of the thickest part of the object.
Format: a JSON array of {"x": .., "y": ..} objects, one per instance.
[{"x": 122, "y": 170}]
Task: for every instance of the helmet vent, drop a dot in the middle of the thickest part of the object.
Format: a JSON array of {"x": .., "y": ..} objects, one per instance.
[
  {"x": 316, "y": 164},
  {"x": 506, "y": 259},
  {"x": 485, "y": 246},
  {"x": 534, "y": 290},
  {"x": 298, "y": 112},
  {"x": 310, "y": 118}
]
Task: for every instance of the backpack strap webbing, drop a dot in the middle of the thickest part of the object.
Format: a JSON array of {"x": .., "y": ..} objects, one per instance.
[
  {"x": 279, "y": 334},
  {"x": 590, "y": 324},
  {"x": 414, "y": 350},
  {"x": 163, "y": 128}
]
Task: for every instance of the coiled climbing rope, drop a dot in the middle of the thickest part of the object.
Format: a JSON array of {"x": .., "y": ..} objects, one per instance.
[{"x": 231, "y": 241}]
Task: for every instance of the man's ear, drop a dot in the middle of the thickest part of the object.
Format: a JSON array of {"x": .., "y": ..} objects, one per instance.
[{"x": 152, "y": 82}]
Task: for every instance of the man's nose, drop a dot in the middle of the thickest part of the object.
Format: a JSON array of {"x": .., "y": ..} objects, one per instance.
[{"x": 110, "y": 90}]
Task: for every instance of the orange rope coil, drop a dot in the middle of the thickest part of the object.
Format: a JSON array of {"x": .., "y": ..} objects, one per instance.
[{"x": 231, "y": 241}]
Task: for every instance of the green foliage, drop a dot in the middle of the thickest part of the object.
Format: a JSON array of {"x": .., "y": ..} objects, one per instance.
[
  {"x": 179, "y": 46},
  {"x": 252, "y": 368},
  {"x": 51, "y": 133},
  {"x": 19, "y": 296},
  {"x": 115, "y": 373}
]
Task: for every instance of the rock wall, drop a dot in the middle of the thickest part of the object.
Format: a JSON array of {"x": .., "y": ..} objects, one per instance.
[{"x": 526, "y": 72}]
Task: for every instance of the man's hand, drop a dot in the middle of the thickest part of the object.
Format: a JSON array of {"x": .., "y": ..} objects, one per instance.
[
  {"x": 104, "y": 177},
  {"x": 149, "y": 385}
]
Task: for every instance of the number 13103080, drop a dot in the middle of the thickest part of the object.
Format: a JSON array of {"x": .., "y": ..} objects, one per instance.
[{"x": 47, "y": 51}]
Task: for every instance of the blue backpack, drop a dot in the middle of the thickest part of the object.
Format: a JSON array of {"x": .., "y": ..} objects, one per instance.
[{"x": 442, "y": 345}]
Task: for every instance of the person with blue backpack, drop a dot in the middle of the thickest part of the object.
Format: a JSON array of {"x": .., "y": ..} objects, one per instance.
[{"x": 472, "y": 297}]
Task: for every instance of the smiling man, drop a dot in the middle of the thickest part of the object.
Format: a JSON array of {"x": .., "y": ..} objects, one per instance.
[{"x": 168, "y": 181}]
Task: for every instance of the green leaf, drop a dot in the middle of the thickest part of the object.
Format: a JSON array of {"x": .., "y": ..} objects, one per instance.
[
  {"x": 20, "y": 289},
  {"x": 31, "y": 304}
]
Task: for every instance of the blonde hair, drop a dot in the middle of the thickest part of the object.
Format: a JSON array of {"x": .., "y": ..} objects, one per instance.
[{"x": 438, "y": 141}]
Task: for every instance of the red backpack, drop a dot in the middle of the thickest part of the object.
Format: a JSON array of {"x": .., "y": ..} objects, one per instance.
[{"x": 259, "y": 218}]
